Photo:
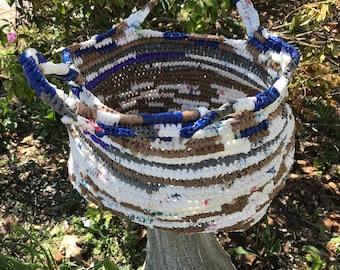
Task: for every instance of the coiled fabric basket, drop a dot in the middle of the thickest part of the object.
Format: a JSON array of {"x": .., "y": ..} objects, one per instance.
[{"x": 175, "y": 131}]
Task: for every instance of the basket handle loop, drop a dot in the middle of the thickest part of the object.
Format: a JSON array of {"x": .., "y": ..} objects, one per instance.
[
  {"x": 135, "y": 19},
  {"x": 249, "y": 15},
  {"x": 246, "y": 9},
  {"x": 35, "y": 67}
]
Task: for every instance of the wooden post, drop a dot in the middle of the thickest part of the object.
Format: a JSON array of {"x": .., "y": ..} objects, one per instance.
[{"x": 167, "y": 250}]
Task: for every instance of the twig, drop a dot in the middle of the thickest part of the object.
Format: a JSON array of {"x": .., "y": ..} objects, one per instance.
[
  {"x": 308, "y": 45},
  {"x": 333, "y": 61},
  {"x": 167, "y": 19},
  {"x": 304, "y": 33},
  {"x": 320, "y": 125}
]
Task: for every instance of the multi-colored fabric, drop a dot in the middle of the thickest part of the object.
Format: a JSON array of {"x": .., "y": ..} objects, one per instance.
[{"x": 176, "y": 131}]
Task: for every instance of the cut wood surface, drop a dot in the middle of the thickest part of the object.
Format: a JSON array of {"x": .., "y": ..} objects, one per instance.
[{"x": 167, "y": 250}]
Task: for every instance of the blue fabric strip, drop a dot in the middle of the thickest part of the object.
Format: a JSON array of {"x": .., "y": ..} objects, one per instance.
[
  {"x": 276, "y": 44},
  {"x": 34, "y": 76},
  {"x": 265, "y": 98},
  {"x": 66, "y": 56},
  {"x": 84, "y": 51},
  {"x": 162, "y": 118},
  {"x": 174, "y": 35},
  {"x": 254, "y": 130},
  {"x": 76, "y": 90},
  {"x": 107, "y": 48},
  {"x": 116, "y": 131},
  {"x": 70, "y": 76},
  {"x": 191, "y": 128},
  {"x": 105, "y": 35}
]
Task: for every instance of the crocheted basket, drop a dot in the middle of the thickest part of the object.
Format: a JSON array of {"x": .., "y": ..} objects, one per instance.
[{"x": 175, "y": 131}]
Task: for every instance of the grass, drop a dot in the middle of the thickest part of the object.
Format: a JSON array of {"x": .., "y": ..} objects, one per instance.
[{"x": 97, "y": 240}]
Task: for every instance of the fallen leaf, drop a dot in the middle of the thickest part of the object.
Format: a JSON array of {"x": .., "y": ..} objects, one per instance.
[
  {"x": 301, "y": 162},
  {"x": 143, "y": 233},
  {"x": 247, "y": 259},
  {"x": 327, "y": 177},
  {"x": 294, "y": 176},
  {"x": 27, "y": 140},
  {"x": 309, "y": 169},
  {"x": 328, "y": 223},
  {"x": 333, "y": 187},
  {"x": 58, "y": 256},
  {"x": 270, "y": 221},
  {"x": 28, "y": 150},
  {"x": 93, "y": 206},
  {"x": 69, "y": 245},
  {"x": 334, "y": 244}
]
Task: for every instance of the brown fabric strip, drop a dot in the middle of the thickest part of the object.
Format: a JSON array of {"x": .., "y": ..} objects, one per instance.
[
  {"x": 243, "y": 225},
  {"x": 227, "y": 209},
  {"x": 227, "y": 179},
  {"x": 143, "y": 146}
]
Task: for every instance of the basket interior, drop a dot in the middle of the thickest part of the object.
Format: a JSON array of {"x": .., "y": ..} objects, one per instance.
[{"x": 153, "y": 75}]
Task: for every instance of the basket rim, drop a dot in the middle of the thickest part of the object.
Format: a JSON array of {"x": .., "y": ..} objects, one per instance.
[{"x": 36, "y": 67}]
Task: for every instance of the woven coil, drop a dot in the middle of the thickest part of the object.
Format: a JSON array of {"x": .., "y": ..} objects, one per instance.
[{"x": 176, "y": 131}]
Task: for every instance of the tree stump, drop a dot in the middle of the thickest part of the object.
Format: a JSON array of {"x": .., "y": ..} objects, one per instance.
[{"x": 167, "y": 250}]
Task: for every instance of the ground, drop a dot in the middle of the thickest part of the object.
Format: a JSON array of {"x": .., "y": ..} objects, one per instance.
[{"x": 34, "y": 189}]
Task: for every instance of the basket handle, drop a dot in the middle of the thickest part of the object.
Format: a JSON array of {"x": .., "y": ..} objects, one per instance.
[
  {"x": 249, "y": 15},
  {"x": 35, "y": 67},
  {"x": 246, "y": 9}
]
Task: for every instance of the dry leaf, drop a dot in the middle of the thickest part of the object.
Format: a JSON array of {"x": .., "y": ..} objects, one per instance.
[
  {"x": 69, "y": 245},
  {"x": 331, "y": 225},
  {"x": 29, "y": 150},
  {"x": 58, "y": 256},
  {"x": 333, "y": 186},
  {"x": 294, "y": 176},
  {"x": 302, "y": 162},
  {"x": 247, "y": 259},
  {"x": 27, "y": 140},
  {"x": 309, "y": 169},
  {"x": 143, "y": 233}
]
